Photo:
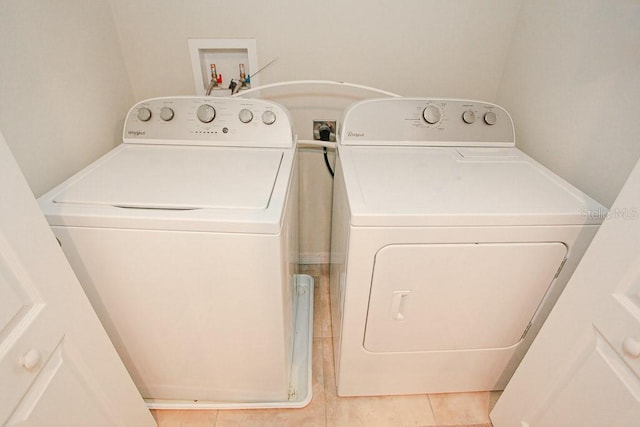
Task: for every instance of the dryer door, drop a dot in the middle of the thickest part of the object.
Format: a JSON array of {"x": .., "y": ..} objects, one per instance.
[{"x": 443, "y": 297}]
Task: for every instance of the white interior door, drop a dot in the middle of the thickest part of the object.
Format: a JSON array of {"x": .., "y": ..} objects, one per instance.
[
  {"x": 57, "y": 365},
  {"x": 583, "y": 369}
]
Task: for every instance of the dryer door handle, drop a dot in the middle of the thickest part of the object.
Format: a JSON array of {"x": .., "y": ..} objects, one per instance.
[{"x": 398, "y": 307}]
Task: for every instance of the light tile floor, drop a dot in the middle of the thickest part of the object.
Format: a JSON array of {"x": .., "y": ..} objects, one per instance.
[{"x": 327, "y": 409}]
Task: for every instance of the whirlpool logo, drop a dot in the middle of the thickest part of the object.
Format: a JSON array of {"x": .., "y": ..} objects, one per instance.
[
  {"x": 353, "y": 134},
  {"x": 136, "y": 133}
]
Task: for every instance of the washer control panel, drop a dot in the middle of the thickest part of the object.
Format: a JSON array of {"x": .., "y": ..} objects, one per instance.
[
  {"x": 422, "y": 121},
  {"x": 209, "y": 121}
]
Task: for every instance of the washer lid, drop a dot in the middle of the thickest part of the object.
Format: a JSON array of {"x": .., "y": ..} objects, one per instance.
[
  {"x": 422, "y": 186},
  {"x": 179, "y": 178}
]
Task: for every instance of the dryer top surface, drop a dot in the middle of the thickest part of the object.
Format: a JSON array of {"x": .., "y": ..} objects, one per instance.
[{"x": 441, "y": 186}]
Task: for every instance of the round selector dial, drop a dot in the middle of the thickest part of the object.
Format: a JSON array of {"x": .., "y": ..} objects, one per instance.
[
  {"x": 206, "y": 113},
  {"x": 469, "y": 116},
  {"x": 245, "y": 115},
  {"x": 166, "y": 114},
  {"x": 431, "y": 114},
  {"x": 144, "y": 114},
  {"x": 490, "y": 118},
  {"x": 268, "y": 117}
]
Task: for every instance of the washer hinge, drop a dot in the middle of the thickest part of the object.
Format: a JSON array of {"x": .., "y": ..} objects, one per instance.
[
  {"x": 560, "y": 268},
  {"x": 525, "y": 331}
]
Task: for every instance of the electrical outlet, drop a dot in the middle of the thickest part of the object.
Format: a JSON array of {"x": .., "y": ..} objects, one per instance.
[{"x": 320, "y": 129}]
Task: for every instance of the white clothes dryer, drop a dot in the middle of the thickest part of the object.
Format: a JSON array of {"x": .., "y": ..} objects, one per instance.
[
  {"x": 449, "y": 247},
  {"x": 185, "y": 240}
]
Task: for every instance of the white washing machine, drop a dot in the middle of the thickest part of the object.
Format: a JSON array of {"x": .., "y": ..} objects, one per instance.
[
  {"x": 449, "y": 247},
  {"x": 185, "y": 240}
]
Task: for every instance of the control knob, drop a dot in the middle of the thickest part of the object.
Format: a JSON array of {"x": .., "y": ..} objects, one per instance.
[
  {"x": 144, "y": 114},
  {"x": 490, "y": 118},
  {"x": 245, "y": 115},
  {"x": 469, "y": 116},
  {"x": 166, "y": 114},
  {"x": 206, "y": 113},
  {"x": 268, "y": 117},
  {"x": 431, "y": 114}
]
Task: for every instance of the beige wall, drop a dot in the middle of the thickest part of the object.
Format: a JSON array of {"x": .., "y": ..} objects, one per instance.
[
  {"x": 572, "y": 84},
  {"x": 63, "y": 86},
  {"x": 411, "y": 47},
  {"x": 316, "y": 186}
]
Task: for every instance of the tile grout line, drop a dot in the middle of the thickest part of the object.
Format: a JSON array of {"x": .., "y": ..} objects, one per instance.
[{"x": 433, "y": 414}]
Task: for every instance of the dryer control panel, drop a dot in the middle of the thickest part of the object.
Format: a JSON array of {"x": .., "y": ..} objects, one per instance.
[
  {"x": 215, "y": 121},
  {"x": 427, "y": 122}
]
